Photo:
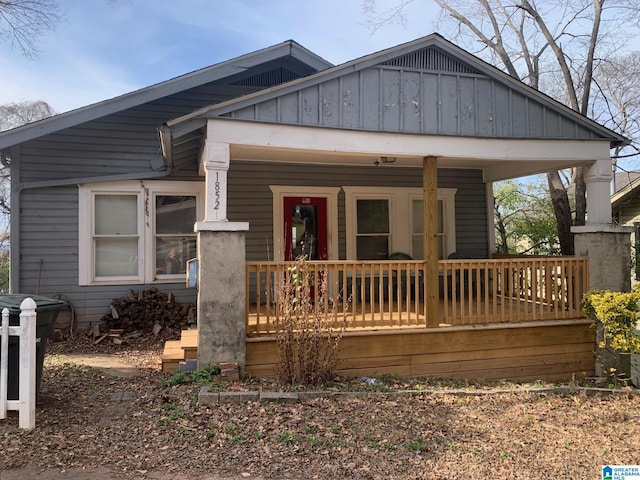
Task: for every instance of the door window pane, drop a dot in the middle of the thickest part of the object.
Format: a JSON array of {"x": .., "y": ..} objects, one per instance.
[{"x": 304, "y": 231}]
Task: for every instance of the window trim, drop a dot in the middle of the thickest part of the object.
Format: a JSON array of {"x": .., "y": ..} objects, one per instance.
[
  {"x": 401, "y": 226},
  {"x": 146, "y": 192}
]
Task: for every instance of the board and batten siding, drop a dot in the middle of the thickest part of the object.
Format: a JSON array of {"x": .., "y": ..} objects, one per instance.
[{"x": 412, "y": 100}]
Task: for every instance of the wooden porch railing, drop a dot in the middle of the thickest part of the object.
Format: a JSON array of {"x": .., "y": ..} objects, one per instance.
[{"x": 390, "y": 294}]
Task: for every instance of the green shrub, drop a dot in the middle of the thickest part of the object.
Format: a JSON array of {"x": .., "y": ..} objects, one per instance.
[
  {"x": 202, "y": 376},
  {"x": 619, "y": 313}
]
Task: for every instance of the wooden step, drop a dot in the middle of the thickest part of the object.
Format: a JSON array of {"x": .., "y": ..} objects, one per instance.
[
  {"x": 189, "y": 340},
  {"x": 176, "y": 351}
]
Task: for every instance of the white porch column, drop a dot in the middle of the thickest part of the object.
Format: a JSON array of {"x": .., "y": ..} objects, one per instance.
[
  {"x": 607, "y": 246},
  {"x": 598, "y": 180},
  {"x": 221, "y": 275},
  {"x": 215, "y": 161}
]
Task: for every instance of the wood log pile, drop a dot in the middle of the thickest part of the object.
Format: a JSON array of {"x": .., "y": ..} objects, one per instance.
[{"x": 147, "y": 311}]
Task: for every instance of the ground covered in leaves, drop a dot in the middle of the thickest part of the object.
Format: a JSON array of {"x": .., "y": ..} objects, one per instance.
[{"x": 82, "y": 421}]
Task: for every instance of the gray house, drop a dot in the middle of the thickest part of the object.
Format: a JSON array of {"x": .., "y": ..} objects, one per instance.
[{"x": 278, "y": 153}]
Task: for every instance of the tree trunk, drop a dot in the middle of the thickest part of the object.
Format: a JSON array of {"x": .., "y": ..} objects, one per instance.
[
  {"x": 562, "y": 210},
  {"x": 581, "y": 196}
]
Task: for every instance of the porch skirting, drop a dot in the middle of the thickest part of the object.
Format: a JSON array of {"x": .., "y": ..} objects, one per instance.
[{"x": 558, "y": 350}]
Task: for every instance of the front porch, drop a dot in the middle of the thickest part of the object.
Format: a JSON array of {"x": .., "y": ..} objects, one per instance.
[{"x": 503, "y": 318}]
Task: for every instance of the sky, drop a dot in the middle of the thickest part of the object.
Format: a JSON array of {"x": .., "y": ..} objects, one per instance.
[{"x": 105, "y": 48}]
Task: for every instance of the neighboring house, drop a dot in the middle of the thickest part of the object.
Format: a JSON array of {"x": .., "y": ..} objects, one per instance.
[
  {"x": 336, "y": 162},
  {"x": 625, "y": 207}
]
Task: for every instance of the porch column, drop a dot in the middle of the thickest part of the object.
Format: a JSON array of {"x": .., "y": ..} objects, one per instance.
[
  {"x": 221, "y": 269},
  {"x": 608, "y": 246},
  {"x": 597, "y": 178},
  {"x": 430, "y": 202}
]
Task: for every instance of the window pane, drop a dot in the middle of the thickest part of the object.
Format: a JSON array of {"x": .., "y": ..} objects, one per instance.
[
  {"x": 373, "y": 216},
  {"x": 372, "y": 247},
  {"x": 175, "y": 214},
  {"x": 116, "y": 256},
  {"x": 116, "y": 214},
  {"x": 172, "y": 253},
  {"x": 416, "y": 247}
]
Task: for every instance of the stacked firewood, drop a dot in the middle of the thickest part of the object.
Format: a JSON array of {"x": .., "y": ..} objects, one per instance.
[{"x": 147, "y": 311}]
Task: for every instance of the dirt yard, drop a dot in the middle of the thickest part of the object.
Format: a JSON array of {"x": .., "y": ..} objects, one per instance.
[{"x": 141, "y": 425}]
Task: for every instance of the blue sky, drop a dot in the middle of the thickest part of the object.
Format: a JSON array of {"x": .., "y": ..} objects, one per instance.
[{"x": 105, "y": 48}]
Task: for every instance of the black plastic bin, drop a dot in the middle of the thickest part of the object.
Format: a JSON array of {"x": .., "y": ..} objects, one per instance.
[{"x": 47, "y": 311}]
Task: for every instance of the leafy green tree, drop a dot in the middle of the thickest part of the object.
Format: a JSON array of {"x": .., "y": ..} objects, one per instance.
[{"x": 524, "y": 218}]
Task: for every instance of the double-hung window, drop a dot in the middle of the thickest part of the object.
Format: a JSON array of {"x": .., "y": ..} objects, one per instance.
[
  {"x": 381, "y": 221},
  {"x": 137, "y": 232}
]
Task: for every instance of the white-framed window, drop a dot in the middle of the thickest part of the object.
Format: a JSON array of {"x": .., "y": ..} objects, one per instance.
[
  {"x": 398, "y": 222},
  {"x": 137, "y": 231}
]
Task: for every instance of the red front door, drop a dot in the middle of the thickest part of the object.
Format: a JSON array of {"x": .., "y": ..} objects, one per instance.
[{"x": 305, "y": 228}]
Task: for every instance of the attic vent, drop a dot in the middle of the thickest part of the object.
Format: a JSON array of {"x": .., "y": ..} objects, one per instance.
[
  {"x": 431, "y": 59},
  {"x": 268, "y": 79}
]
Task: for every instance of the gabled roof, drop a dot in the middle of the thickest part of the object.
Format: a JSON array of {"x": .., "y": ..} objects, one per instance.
[
  {"x": 427, "y": 56},
  {"x": 627, "y": 184},
  {"x": 235, "y": 69}
]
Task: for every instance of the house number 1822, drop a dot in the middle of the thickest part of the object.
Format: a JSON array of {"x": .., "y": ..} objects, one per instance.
[{"x": 216, "y": 187}]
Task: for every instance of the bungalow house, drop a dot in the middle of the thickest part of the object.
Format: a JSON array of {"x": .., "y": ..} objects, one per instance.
[{"x": 379, "y": 170}]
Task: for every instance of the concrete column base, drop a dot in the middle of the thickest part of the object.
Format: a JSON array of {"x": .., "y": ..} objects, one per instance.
[
  {"x": 609, "y": 250},
  {"x": 221, "y": 293}
]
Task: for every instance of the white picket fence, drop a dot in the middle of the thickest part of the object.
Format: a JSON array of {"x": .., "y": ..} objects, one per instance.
[{"x": 26, "y": 403}]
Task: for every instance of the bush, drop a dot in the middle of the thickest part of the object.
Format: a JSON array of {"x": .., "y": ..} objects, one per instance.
[
  {"x": 619, "y": 313},
  {"x": 307, "y": 344}
]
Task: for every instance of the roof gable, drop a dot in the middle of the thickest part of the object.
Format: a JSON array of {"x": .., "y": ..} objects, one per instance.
[
  {"x": 426, "y": 86},
  {"x": 262, "y": 68}
]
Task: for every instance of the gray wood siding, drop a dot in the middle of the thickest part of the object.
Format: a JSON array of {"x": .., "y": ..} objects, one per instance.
[
  {"x": 116, "y": 144},
  {"x": 397, "y": 99},
  {"x": 250, "y": 199}
]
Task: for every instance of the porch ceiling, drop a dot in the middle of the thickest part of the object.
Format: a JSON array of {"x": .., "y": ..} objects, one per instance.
[{"x": 494, "y": 169}]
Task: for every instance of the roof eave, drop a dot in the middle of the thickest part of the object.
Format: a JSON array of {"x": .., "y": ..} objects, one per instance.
[{"x": 159, "y": 90}]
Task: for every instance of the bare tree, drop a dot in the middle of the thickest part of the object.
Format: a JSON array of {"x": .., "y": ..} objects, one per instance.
[
  {"x": 23, "y": 21},
  {"x": 14, "y": 115},
  {"x": 616, "y": 102},
  {"x": 539, "y": 42}
]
